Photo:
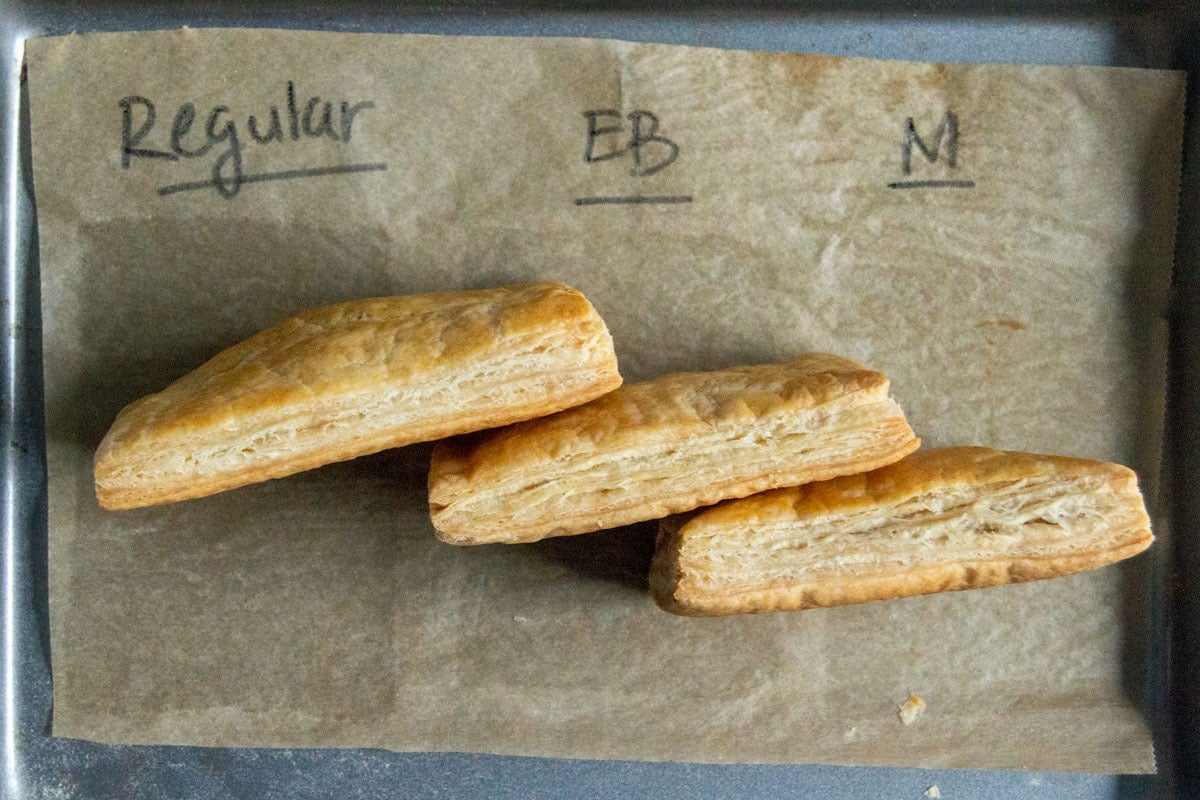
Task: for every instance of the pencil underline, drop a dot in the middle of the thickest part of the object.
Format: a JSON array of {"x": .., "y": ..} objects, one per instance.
[
  {"x": 636, "y": 198},
  {"x": 282, "y": 175},
  {"x": 932, "y": 185}
]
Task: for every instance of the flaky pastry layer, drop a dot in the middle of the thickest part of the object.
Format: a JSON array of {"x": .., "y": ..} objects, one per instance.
[
  {"x": 342, "y": 381},
  {"x": 668, "y": 445},
  {"x": 940, "y": 520}
]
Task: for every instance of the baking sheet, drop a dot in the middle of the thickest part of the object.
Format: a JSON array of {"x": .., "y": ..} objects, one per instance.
[{"x": 1003, "y": 324}]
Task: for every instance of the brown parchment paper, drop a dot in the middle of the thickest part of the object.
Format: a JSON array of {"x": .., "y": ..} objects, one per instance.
[{"x": 1026, "y": 312}]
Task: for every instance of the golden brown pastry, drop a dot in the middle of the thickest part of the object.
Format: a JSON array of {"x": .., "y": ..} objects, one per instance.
[
  {"x": 672, "y": 444},
  {"x": 938, "y": 521},
  {"x": 339, "y": 382}
]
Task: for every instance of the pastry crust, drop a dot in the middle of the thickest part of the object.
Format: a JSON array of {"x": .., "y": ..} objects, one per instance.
[
  {"x": 342, "y": 381},
  {"x": 938, "y": 521},
  {"x": 668, "y": 445}
]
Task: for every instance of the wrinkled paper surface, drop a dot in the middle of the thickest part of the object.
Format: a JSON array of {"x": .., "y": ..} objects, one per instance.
[{"x": 1026, "y": 311}]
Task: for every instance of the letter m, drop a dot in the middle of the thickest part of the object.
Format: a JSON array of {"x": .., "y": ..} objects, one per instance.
[{"x": 947, "y": 129}]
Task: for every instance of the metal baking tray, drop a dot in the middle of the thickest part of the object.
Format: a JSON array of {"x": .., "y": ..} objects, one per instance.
[{"x": 36, "y": 765}]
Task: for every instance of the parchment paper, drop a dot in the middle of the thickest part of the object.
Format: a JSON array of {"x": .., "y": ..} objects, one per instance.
[{"x": 1027, "y": 311}]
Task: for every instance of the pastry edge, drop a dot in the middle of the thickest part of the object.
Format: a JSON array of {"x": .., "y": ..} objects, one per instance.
[
  {"x": 118, "y": 499},
  {"x": 658, "y": 508},
  {"x": 837, "y": 591}
]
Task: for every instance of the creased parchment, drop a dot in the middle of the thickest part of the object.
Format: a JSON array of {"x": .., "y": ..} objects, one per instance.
[{"x": 718, "y": 208}]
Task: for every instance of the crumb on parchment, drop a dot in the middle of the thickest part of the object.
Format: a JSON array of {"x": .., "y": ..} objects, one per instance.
[{"x": 912, "y": 708}]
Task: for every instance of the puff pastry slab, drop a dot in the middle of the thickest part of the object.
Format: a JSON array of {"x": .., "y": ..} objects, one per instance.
[
  {"x": 339, "y": 382},
  {"x": 668, "y": 445},
  {"x": 938, "y": 521}
]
